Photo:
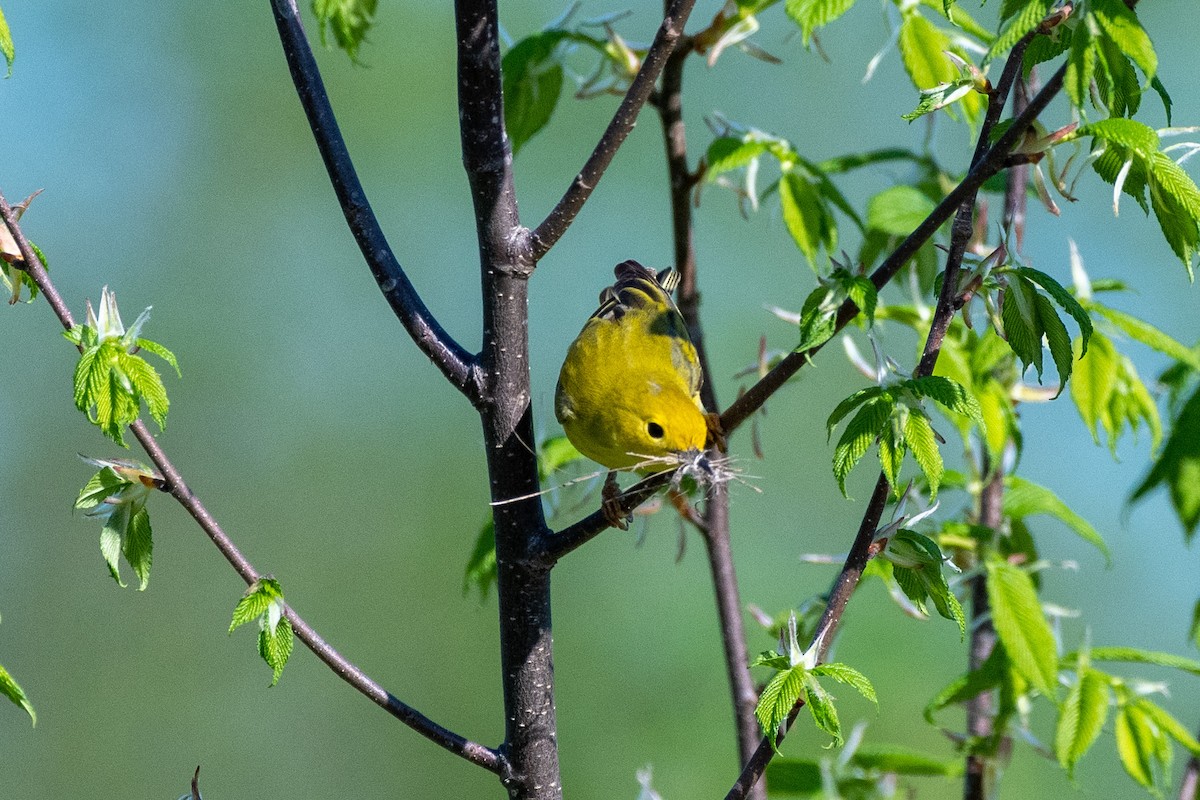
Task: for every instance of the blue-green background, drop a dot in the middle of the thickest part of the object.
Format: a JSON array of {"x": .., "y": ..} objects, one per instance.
[{"x": 178, "y": 170}]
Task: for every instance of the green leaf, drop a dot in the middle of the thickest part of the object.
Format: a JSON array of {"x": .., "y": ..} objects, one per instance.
[
  {"x": 1092, "y": 387},
  {"x": 1081, "y": 718},
  {"x": 1023, "y": 498},
  {"x": 1026, "y": 16},
  {"x": 891, "y": 451},
  {"x": 138, "y": 547},
  {"x": 806, "y": 218},
  {"x": 1122, "y": 27},
  {"x": 990, "y": 674},
  {"x": 1149, "y": 335},
  {"x": 1065, "y": 300},
  {"x": 1081, "y": 66},
  {"x": 898, "y": 211},
  {"x": 727, "y": 153},
  {"x": 861, "y": 431},
  {"x": 1022, "y": 325},
  {"x": 900, "y": 761},
  {"x": 820, "y": 705},
  {"x": 948, "y": 394},
  {"x": 1178, "y": 467},
  {"x": 777, "y": 699},
  {"x": 1057, "y": 339},
  {"x": 8, "y": 685},
  {"x": 6, "y": 47},
  {"x": 960, "y": 19},
  {"x": 275, "y": 647},
  {"x": 161, "y": 352},
  {"x": 533, "y": 80},
  {"x": 1169, "y": 725},
  {"x": 1136, "y": 655},
  {"x": 348, "y": 20},
  {"x": 555, "y": 453},
  {"x": 1176, "y": 203},
  {"x": 1136, "y": 745},
  {"x": 813, "y": 14},
  {"x": 255, "y": 602},
  {"x": 1021, "y": 626},
  {"x": 843, "y": 673},
  {"x": 918, "y": 432},
  {"x": 922, "y": 48},
  {"x": 849, "y": 404},
  {"x": 481, "y": 566},
  {"x": 793, "y": 776}
]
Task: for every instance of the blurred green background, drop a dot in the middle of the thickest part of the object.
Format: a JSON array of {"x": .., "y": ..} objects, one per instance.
[{"x": 178, "y": 169}]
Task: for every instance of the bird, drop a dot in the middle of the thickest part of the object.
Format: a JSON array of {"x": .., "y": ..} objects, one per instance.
[{"x": 628, "y": 393}]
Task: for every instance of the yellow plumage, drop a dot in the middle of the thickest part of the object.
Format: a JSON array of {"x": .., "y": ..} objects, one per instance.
[{"x": 629, "y": 388}]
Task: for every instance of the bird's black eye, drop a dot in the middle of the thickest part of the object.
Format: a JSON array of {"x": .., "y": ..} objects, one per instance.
[{"x": 655, "y": 430}]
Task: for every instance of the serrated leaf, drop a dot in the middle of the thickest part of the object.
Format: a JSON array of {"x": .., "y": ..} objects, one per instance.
[
  {"x": 1057, "y": 339},
  {"x": 137, "y": 546},
  {"x": 891, "y": 452},
  {"x": 820, "y": 705},
  {"x": 777, "y": 699},
  {"x": 110, "y": 543},
  {"x": 1169, "y": 725},
  {"x": 1178, "y": 467},
  {"x": 849, "y": 404},
  {"x": 161, "y": 352},
  {"x": 1092, "y": 386},
  {"x": 1081, "y": 718},
  {"x": 1021, "y": 626},
  {"x": 864, "y": 295},
  {"x": 348, "y": 20},
  {"x": 8, "y": 684},
  {"x": 1065, "y": 300},
  {"x": 923, "y": 48},
  {"x": 255, "y": 602},
  {"x": 1128, "y": 134},
  {"x": 1023, "y": 498},
  {"x": 998, "y": 414},
  {"x": 860, "y": 432},
  {"x": 1121, "y": 25},
  {"x": 918, "y": 432},
  {"x": 1025, "y": 16},
  {"x": 1135, "y": 655},
  {"x": 947, "y": 393},
  {"x": 1081, "y": 66},
  {"x": 147, "y": 386},
  {"x": 898, "y": 211},
  {"x": 844, "y": 673},
  {"x": 806, "y": 217},
  {"x": 960, "y": 19},
  {"x": 1022, "y": 326},
  {"x": 275, "y": 647},
  {"x": 1176, "y": 203},
  {"x": 532, "y": 83},
  {"x": 813, "y": 14}
]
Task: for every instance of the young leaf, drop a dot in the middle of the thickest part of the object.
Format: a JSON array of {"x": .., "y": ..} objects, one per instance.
[
  {"x": 1023, "y": 498},
  {"x": 1026, "y": 15},
  {"x": 349, "y": 20},
  {"x": 820, "y": 705},
  {"x": 1149, "y": 335},
  {"x": 1092, "y": 388},
  {"x": 990, "y": 675},
  {"x": 1178, "y": 467},
  {"x": 918, "y": 433},
  {"x": 843, "y": 673},
  {"x": 1176, "y": 203},
  {"x": 481, "y": 566},
  {"x": 806, "y": 218},
  {"x": 861, "y": 431},
  {"x": 116, "y": 495},
  {"x": 777, "y": 699},
  {"x": 727, "y": 153},
  {"x": 1137, "y": 745},
  {"x": 275, "y": 647},
  {"x": 947, "y": 393},
  {"x": 1136, "y": 655},
  {"x": 263, "y": 601},
  {"x": 813, "y": 14},
  {"x": 923, "y": 49},
  {"x": 898, "y": 211},
  {"x": 6, "y": 43},
  {"x": 1122, "y": 27},
  {"x": 1081, "y": 718},
  {"x": 533, "y": 80},
  {"x": 1021, "y": 626},
  {"x": 1064, "y": 299},
  {"x": 8, "y": 685}
]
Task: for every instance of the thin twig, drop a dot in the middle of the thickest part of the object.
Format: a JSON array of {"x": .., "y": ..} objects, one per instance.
[
  {"x": 455, "y": 362},
  {"x": 177, "y": 488},
  {"x": 560, "y": 217}
]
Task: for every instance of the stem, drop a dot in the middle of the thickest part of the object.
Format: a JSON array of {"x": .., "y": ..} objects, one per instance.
[
  {"x": 175, "y": 486},
  {"x": 458, "y": 365},
  {"x": 716, "y": 508},
  {"x": 1190, "y": 783},
  {"x": 560, "y": 217}
]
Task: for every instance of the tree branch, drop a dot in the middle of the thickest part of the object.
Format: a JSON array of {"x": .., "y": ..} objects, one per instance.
[
  {"x": 560, "y": 217},
  {"x": 458, "y": 365},
  {"x": 175, "y": 486}
]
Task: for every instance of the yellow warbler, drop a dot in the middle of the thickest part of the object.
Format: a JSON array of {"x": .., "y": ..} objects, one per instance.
[{"x": 628, "y": 394}]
